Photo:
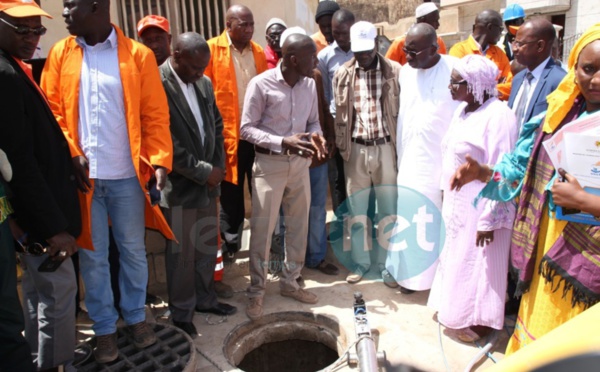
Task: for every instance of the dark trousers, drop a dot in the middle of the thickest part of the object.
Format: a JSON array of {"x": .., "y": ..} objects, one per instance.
[
  {"x": 232, "y": 196},
  {"x": 15, "y": 354},
  {"x": 337, "y": 183}
]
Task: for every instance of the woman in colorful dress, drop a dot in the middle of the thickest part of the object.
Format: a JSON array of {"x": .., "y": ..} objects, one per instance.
[{"x": 556, "y": 262}]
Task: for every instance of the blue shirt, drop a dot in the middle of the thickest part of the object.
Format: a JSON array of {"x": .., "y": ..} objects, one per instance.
[
  {"x": 103, "y": 133},
  {"x": 330, "y": 59}
]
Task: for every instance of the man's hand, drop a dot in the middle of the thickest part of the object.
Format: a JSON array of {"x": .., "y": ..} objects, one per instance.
[
  {"x": 161, "y": 177},
  {"x": 299, "y": 144},
  {"x": 215, "y": 177},
  {"x": 567, "y": 193},
  {"x": 468, "y": 172},
  {"x": 484, "y": 238},
  {"x": 62, "y": 242},
  {"x": 81, "y": 166},
  {"x": 319, "y": 144}
]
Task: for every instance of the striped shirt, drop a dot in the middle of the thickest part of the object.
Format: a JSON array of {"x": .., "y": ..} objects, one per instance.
[{"x": 368, "y": 124}]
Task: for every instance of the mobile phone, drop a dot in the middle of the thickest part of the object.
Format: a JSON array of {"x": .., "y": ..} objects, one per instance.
[
  {"x": 153, "y": 191},
  {"x": 49, "y": 265}
]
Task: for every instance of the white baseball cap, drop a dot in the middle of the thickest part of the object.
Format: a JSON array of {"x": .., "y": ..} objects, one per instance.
[{"x": 362, "y": 36}]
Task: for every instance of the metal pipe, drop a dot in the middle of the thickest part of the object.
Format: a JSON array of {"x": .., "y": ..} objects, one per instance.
[{"x": 367, "y": 355}]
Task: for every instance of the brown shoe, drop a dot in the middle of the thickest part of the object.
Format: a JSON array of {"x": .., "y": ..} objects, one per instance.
[
  {"x": 254, "y": 310},
  {"x": 143, "y": 335},
  {"x": 301, "y": 295},
  {"x": 388, "y": 279},
  {"x": 223, "y": 290},
  {"x": 106, "y": 349}
]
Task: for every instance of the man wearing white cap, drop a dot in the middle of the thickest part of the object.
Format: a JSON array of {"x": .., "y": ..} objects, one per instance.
[
  {"x": 275, "y": 27},
  {"x": 425, "y": 13},
  {"x": 366, "y": 93},
  {"x": 44, "y": 198}
]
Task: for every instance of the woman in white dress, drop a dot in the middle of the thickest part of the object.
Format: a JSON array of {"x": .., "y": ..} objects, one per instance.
[{"x": 469, "y": 287}]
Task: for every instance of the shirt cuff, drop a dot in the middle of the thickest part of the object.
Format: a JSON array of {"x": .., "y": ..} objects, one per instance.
[{"x": 276, "y": 143}]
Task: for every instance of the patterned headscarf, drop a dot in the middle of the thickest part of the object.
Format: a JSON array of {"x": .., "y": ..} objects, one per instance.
[
  {"x": 480, "y": 74},
  {"x": 561, "y": 100}
]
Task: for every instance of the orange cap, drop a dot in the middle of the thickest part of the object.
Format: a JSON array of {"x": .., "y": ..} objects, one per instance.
[
  {"x": 22, "y": 8},
  {"x": 153, "y": 21}
]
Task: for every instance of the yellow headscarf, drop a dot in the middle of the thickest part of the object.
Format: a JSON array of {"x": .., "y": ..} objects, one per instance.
[{"x": 561, "y": 100}]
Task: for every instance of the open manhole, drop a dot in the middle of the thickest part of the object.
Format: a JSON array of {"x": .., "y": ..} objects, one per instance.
[
  {"x": 316, "y": 340},
  {"x": 173, "y": 351}
]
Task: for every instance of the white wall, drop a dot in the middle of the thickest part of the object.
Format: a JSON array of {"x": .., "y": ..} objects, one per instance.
[{"x": 582, "y": 15}]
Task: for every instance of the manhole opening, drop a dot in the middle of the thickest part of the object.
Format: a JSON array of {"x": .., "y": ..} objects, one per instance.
[
  {"x": 264, "y": 345},
  {"x": 275, "y": 356}
]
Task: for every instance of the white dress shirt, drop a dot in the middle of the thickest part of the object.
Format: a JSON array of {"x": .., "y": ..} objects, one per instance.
[
  {"x": 189, "y": 93},
  {"x": 103, "y": 130}
]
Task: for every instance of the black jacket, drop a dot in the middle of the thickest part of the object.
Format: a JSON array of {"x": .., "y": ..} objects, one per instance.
[{"x": 44, "y": 194}]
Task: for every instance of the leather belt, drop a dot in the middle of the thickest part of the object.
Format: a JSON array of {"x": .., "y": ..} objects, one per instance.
[
  {"x": 375, "y": 142},
  {"x": 262, "y": 150}
]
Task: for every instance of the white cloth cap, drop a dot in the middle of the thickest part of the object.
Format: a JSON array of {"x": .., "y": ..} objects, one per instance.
[
  {"x": 362, "y": 36},
  {"x": 290, "y": 31},
  {"x": 275, "y": 21},
  {"x": 424, "y": 9}
]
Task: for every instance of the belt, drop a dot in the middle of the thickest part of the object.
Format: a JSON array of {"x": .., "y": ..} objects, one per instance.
[
  {"x": 262, "y": 150},
  {"x": 375, "y": 142}
]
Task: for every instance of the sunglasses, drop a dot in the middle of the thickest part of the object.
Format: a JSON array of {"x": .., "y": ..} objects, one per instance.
[
  {"x": 412, "y": 53},
  {"x": 30, "y": 248},
  {"x": 23, "y": 30},
  {"x": 455, "y": 84}
]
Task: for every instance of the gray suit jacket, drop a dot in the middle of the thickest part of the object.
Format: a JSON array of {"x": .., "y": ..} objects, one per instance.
[{"x": 192, "y": 160}]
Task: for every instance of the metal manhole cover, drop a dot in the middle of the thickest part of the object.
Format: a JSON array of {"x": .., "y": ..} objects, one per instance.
[{"x": 173, "y": 351}]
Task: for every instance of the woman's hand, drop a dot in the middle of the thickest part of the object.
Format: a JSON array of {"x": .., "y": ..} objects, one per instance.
[{"x": 484, "y": 238}]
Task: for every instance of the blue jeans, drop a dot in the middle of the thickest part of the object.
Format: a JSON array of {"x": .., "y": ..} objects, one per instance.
[
  {"x": 317, "y": 243},
  {"x": 122, "y": 201}
]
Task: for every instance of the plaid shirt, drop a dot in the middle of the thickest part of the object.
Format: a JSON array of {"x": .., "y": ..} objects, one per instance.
[{"x": 368, "y": 124}]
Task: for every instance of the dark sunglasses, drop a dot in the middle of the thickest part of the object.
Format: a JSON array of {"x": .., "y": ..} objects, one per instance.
[
  {"x": 23, "y": 30},
  {"x": 412, "y": 53},
  {"x": 455, "y": 84},
  {"x": 30, "y": 248}
]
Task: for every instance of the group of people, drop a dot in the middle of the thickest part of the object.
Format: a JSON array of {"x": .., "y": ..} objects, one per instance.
[{"x": 91, "y": 146}]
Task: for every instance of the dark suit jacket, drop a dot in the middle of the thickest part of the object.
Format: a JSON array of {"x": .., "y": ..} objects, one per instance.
[
  {"x": 44, "y": 194},
  {"x": 549, "y": 80},
  {"x": 192, "y": 160}
]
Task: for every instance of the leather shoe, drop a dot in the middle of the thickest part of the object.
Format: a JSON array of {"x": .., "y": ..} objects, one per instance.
[
  {"x": 219, "y": 309},
  {"x": 326, "y": 268},
  {"x": 187, "y": 327},
  {"x": 405, "y": 290}
]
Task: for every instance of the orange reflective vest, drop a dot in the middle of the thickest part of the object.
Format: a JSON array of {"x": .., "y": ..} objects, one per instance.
[
  {"x": 146, "y": 111},
  {"x": 221, "y": 72}
]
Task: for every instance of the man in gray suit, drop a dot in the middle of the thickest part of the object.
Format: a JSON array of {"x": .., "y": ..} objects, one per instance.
[{"x": 189, "y": 199}]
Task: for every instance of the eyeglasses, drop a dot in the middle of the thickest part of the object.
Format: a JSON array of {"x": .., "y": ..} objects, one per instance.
[
  {"x": 520, "y": 44},
  {"x": 455, "y": 84},
  {"x": 24, "y": 30},
  {"x": 29, "y": 248},
  {"x": 412, "y": 53}
]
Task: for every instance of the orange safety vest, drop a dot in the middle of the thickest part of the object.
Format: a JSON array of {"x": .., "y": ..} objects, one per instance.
[{"x": 221, "y": 72}]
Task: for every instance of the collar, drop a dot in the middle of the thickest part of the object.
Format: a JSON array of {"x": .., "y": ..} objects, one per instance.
[
  {"x": 175, "y": 74},
  {"x": 111, "y": 41},
  {"x": 475, "y": 46},
  {"x": 377, "y": 68},
  {"x": 232, "y": 46},
  {"x": 537, "y": 72}
]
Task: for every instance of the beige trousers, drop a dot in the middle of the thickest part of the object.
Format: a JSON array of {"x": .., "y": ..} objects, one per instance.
[{"x": 278, "y": 180}]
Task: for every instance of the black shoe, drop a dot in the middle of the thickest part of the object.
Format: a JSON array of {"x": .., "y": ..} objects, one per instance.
[
  {"x": 326, "y": 268},
  {"x": 219, "y": 309},
  {"x": 405, "y": 290},
  {"x": 187, "y": 327}
]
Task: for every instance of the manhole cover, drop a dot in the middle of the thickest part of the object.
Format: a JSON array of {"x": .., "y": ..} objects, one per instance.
[{"x": 173, "y": 351}]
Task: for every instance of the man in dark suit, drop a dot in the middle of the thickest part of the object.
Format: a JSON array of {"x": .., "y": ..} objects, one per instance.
[
  {"x": 46, "y": 219},
  {"x": 190, "y": 197},
  {"x": 532, "y": 48}
]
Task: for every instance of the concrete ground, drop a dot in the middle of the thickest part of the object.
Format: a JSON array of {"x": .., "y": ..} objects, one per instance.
[{"x": 407, "y": 330}]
